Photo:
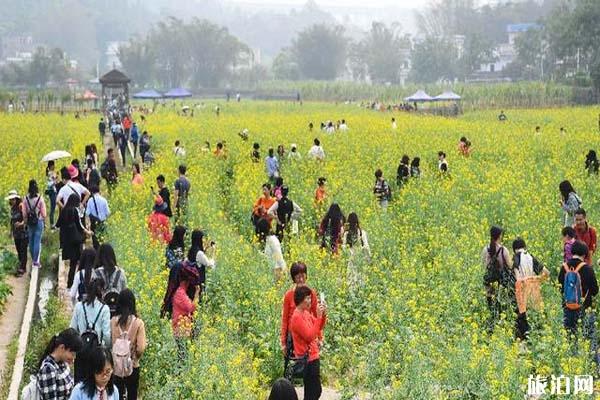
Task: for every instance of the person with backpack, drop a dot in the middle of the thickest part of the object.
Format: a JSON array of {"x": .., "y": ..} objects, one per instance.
[
  {"x": 198, "y": 257},
  {"x": 284, "y": 210},
  {"x": 585, "y": 233},
  {"x": 331, "y": 228},
  {"x": 97, "y": 212},
  {"x": 272, "y": 248},
  {"x": 98, "y": 382},
  {"x": 299, "y": 274},
  {"x": 498, "y": 266},
  {"x": 578, "y": 287},
  {"x": 82, "y": 279},
  {"x": 73, "y": 186},
  {"x": 569, "y": 202},
  {"x": 403, "y": 172},
  {"x": 18, "y": 230},
  {"x": 382, "y": 190},
  {"x": 128, "y": 344},
  {"x": 113, "y": 276},
  {"x": 91, "y": 319},
  {"x": 526, "y": 267},
  {"x": 72, "y": 234},
  {"x": 182, "y": 192},
  {"x": 175, "y": 251},
  {"x": 34, "y": 215},
  {"x": 306, "y": 330},
  {"x": 53, "y": 380}
]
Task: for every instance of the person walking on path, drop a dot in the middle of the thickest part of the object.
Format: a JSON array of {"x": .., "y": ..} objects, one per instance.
[
  {"x": 18, "y": 230},
  {"x": 134, "y": 138},
  {"x": 128, "y": 326},
  {"x": 98, "y": 382},
  {"x": 306, "y": 330},
  {"x": 111, "y": 274},
  {"x": 91, "y": 315},
  {"x": 569, "y": 202},
  {"x": 72, "y": 235},
  {"x": 83, "y": 277},
  {"x": 54, "y": 381},
  {"x": 34, "y": 215},
  {"x": 97, "y": 212},
  {"x": 585, "y": 233},
  {"x": 102, "y": 129},
  {"x": 72, "y": 187},
  {"x": 182, "y": 192},
  {"x": 51, "y": 192}
]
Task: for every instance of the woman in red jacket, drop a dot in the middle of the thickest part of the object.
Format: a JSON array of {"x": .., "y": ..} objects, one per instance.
[
  {"x": 299, "y": 274},
  {"x": 183, "y": 309},
  {"x": 306, "y": 328}
]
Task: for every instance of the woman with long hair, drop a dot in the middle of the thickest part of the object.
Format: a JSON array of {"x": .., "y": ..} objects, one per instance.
[
  {"x": 84, "y": 275},
  {"x": 272, "y": 248},
  {"x": 569, "y": 202},
  {"x": 197, "y": 256},
  {"x": 72, "y": 234},
  {"x": 175, "y": 251},
  {"x": 331, "y": 228},
  {"x": 34, "y": 215},
  {"x": 18, "y": 230},
  {"x": 137, "y": 178},
  {"x": 91, "y": 313},
  {"x": 98, "y": 383},
  {"x": 357, "y": 242},
  {"x": 54, "y": 379},
  {"x": 182, "y": 307},
  {"x": 498, "y": 268},
  {"x": 591, "y": 163},
  {"x": 111, "y": 274},
  {"x": 128, "y": 324}
]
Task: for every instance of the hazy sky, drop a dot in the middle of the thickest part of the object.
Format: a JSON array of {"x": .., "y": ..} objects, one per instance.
[{"x": 354, "y": 3}]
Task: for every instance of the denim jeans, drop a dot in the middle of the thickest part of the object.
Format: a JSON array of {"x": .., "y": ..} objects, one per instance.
[
  {"x": 52, "y": 196},
  {"x": 35, "y": 241}
]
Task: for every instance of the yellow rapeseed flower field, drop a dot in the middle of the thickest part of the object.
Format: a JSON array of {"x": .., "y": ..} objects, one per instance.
[{"x": 415, "y": 327}]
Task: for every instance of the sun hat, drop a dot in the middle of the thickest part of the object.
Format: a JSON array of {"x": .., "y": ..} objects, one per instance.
[
  {"x": 73, "y": 172},
  {"x": 294, "y": 145},
  {"x": 12, "y": 195},
  {"x": 159, "y": 204}
]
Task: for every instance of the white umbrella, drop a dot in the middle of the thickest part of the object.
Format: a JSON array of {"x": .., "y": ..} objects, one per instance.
[{"x": 55, "y": 155}]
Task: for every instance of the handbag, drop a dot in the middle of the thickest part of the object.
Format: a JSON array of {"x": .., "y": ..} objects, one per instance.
[{"x": 295, "y": 367}]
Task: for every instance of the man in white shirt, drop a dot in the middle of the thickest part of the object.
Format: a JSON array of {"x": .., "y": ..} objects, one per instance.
[
  {"x": 316, "y": 152},
  {"x": 72, "y": 187}
]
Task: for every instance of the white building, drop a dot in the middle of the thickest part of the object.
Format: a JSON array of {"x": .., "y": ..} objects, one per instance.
[{"x": 506, "y": 53}]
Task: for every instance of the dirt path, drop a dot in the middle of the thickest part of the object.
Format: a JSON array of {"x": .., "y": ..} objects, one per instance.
[{"x": 10, "y": 321}]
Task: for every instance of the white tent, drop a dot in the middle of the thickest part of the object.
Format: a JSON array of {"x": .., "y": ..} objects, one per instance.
[
  {"x": 419, "y": 95},
  {"x": 448, "y": 95}
]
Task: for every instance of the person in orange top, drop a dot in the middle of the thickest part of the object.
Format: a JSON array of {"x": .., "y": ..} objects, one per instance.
[
  {"x": 220, "y": 151},
  {"x": 298, "y": 273},
  {"x": 138, "y": 179},
  {"x": 158, "y": 222},
  {"x": 262, "y": 205},
  {"x": 306, "y": 328},
  {"x": 320, "y": 192},
  {"x": 464, "y": 147}
]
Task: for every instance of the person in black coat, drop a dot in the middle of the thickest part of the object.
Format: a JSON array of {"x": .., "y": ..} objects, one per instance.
[{"x": 72, "y": 234}]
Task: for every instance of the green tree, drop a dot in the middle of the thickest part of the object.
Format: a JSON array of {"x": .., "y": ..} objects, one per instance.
[
  {"x": 285, "y": 66},
  {"x": 320, "y": 51},
  {"x": 382, "y": 51},
  {"x": 433, "y": 59},
  {"x": 137, "y": 59}
]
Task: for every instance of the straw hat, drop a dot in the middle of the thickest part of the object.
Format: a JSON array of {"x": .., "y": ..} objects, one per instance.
[{"x": 12, "y": 195}]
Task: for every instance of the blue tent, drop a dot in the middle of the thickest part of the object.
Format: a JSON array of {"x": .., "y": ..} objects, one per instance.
[
  {"x": 148, "y": 94},
  {"x": 177, "y": 93}
]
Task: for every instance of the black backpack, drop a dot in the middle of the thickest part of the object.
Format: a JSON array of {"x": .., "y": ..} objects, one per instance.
[
  {"x": 104, "y": 169},
  {"x": 90, "y": 337},
  {"x": 111, "y": 296},
  {"x": 32, "y": 215}
]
